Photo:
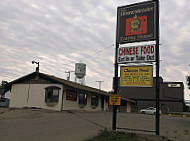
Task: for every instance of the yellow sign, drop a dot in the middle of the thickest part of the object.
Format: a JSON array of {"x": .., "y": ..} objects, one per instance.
[
  {"x": 136, "y": 76},
  {"x": 115, "y": 99}
]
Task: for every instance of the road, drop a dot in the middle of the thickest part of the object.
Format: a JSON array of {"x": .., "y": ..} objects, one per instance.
[{"x": 34, "y": 124}]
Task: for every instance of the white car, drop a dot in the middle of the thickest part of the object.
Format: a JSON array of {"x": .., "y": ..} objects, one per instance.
[{"x": 150, "y": 110}]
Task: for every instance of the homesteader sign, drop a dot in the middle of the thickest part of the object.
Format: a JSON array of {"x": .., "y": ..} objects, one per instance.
[
  {"x": 136, "y": 54},
  {"x": 136, "y": 22}
]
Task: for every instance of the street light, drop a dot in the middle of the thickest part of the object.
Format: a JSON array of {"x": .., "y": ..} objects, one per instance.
[{"x": 38, "y": 67}]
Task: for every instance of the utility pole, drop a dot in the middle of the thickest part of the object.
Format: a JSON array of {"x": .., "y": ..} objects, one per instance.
[
  {"x": 100, "y": 82},
  {"x": 69, "y": 72}
]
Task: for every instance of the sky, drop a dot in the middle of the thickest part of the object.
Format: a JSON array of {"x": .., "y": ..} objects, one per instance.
[{"x": 60, "y": 33}]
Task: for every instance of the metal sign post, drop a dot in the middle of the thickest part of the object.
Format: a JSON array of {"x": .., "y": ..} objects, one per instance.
[
  {"x": 115, "y": 84},
  {"x": 157, "y": 71}
]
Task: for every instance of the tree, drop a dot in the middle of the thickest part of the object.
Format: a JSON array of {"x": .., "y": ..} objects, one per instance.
[{"x": 188, "y": 81}]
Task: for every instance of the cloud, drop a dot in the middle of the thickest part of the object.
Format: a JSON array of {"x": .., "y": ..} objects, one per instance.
[{"x": 59, "y": 34}]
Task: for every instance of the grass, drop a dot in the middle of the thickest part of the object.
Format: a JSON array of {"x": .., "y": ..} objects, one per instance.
[
  {"x": 177, "y": 135},
  {"x": 105, "y": 135}
]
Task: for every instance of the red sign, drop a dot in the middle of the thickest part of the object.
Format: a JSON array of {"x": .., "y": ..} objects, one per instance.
[
  {"x": 136, "y": 25},
  {"x": 71, "y": 95},
  {"x": 135, "y": 54}
]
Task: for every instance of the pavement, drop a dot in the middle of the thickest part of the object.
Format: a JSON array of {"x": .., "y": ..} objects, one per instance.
[{"x": 39, "y": 124}]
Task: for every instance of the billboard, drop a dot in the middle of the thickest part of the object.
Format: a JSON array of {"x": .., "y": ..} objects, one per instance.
[
  {"x": 135, "y": 54},
  {"x": 136, "y": 76},
  {"x": 136, "y": 22}
]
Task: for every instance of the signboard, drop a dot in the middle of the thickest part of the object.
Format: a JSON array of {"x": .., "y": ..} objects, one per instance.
[
  {"x": 174, "y": 85},
  {"x": 115, "y": 99},
  {"x": 136, "y": 76},
  {"x": 136, "y": 54},
  {"x": 136, "y": 22},
  {"x": 71, "y": 95}
]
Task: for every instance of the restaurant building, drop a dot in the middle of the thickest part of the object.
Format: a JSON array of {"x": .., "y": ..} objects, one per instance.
[{"x": 45, "y": 91}]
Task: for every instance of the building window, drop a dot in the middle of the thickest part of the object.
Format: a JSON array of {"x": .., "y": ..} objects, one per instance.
[
  {"x": 83, "y": 99},
  {"x": 94, "y": 100},
  {"x": 52, "y": 94}
]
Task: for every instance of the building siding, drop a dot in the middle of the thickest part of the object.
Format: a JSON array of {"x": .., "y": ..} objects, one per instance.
[{"x": 33, "y": 95}]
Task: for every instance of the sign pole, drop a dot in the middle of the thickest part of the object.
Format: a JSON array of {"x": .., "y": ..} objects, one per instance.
[
  {"x": 115, "y": 85},
  {"x": 157, "y": 71},
  {"x": 115, "y": 82}
]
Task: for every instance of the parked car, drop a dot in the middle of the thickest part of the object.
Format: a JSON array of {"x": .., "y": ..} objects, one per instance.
[{"x": 150, "y": 110}]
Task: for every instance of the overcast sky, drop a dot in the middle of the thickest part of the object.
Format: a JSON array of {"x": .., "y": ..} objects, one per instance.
[{"x": 60, "y": 33}]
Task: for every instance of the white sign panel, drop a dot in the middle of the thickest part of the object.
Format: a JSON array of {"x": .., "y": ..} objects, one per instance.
[
  {"x": 133, "y": 54},
  {"x": 174, "y": 85}
]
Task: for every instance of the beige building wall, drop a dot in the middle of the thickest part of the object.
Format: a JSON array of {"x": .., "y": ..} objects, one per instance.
[
  {"x": 74, "y": 105},
  {"x": 33, "y": 95}
]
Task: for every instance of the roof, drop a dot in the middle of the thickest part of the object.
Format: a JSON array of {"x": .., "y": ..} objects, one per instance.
[{"x": 64, "y": 82}]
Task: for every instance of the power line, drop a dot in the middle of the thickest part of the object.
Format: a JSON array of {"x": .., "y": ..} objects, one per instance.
[{"x": 92, "y": 55}]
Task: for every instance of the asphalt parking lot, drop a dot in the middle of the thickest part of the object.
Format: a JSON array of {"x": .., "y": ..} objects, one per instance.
[{"x": 35, "y": 124}]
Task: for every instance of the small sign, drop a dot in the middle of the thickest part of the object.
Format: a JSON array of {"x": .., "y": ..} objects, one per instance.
[
  {"x": 174, "y": 85},
  {"x": 115, "y": 99},
  {"x": 135, "y": 54},
  {"x": 136, "y": 22},
  {"x": 136, "y": 76},
  {"x": 71, "y": 95}
]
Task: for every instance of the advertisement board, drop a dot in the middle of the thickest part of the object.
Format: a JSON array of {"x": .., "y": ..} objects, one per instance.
[
  {"x": 136, "y": 54},
  {"x": 140, "y": 76},
  {"x": 136, "y": 22}
]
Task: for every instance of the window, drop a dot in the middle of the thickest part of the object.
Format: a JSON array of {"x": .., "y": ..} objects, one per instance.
[
  {"x": 52, "y": 94},
  {"x": 83, "y": 99},
  {"x": 94, "y": 100},
  {"x": 2, "y": 99}
]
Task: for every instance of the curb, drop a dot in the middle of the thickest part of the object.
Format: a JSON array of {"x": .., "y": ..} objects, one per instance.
[{"x": 171, "y": 115}]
